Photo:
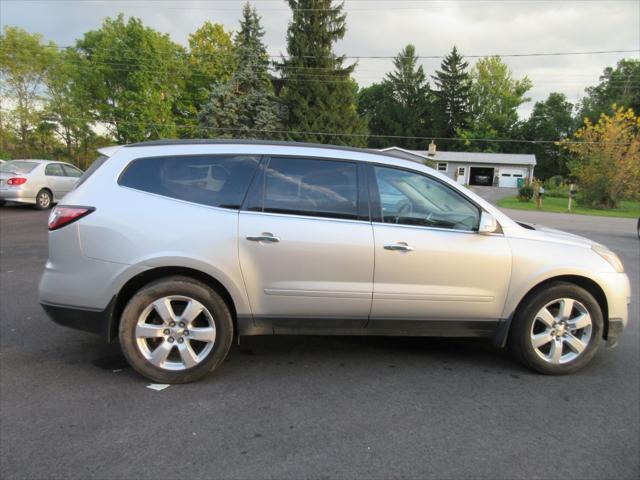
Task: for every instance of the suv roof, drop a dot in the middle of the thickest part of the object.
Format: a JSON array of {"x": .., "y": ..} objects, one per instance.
[{"x": 231, "y": 141}]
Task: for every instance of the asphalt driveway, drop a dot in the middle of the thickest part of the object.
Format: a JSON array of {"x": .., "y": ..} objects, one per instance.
[{"x": 308, "y": 407}]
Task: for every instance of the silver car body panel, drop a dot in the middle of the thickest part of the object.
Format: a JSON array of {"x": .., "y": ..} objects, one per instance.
[{"x": 321, "y": 269}]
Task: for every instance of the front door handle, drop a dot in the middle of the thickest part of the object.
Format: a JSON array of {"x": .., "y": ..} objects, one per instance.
[
  {"x": 263, "y": 237},
  {"x": 399, "y": 246}
]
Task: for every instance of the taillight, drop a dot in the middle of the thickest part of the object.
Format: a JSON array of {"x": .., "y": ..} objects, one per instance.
[
  {"x": 16, "y": 181},
  {"x": 61, "y": 216}
]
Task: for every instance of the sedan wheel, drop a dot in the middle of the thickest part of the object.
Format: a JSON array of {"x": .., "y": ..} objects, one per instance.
[{"x": 43, "y": 200}]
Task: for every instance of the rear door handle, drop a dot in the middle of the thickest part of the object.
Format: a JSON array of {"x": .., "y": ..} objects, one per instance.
[
  {"x": 263, "y": 237},
  {"x": 399, "y": 246}
]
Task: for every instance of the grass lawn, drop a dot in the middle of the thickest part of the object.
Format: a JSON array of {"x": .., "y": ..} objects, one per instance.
[{"x": 627, "y": 209}]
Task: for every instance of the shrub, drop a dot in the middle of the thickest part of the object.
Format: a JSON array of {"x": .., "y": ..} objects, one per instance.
[{"x": 525, "y": 194}]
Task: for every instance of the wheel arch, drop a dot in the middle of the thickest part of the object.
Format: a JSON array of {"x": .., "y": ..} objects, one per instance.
[
  {"x": 588, "y": 284},
  {"x": 135, "y": 283}
]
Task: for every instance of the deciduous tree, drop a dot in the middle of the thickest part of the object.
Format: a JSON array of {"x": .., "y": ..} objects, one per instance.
[
  {"x": 551, "y": 120},
  {"x": 618, "y": 85},
  {"x": 24, "y": 64},
  {"x": 136, "y": 79},
  {"x": 607, "y": 158},
  {"x": 495, "y": 97}
]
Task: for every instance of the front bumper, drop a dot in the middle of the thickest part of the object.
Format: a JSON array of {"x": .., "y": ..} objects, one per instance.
[
  {"x": 87, "y": 320},
  {"x": 617, "y": 289}
]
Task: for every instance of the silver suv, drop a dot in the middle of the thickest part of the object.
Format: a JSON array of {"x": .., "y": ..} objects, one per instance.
[{"x": 175, "y": 247}]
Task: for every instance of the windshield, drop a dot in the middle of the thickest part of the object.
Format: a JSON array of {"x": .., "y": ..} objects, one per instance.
[{"x": 18, "y": 166}]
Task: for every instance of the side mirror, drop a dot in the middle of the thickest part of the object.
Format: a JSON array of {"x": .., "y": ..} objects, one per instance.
[{"x": 488, "y": 224}]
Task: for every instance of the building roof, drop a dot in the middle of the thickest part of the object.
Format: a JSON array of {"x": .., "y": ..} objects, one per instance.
[{"x": 467, "y": 157}]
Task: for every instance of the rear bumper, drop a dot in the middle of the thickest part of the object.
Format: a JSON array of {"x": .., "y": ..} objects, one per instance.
[
  {"x": 88, "y": 320},
  {"x": 20, "y": 195}
]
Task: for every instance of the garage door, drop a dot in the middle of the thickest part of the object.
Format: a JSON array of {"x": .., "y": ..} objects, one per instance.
[{"x": 509, "y": 176}]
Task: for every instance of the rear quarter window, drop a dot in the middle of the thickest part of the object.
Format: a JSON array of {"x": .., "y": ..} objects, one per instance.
[
  {"x": 214, "y": 180},
  {"x": 18, "y": 167}
]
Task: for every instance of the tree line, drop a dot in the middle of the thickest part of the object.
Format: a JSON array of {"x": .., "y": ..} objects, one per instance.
[{"x": 126, "y": 82}]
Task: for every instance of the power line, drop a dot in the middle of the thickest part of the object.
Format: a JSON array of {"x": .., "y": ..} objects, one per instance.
[
  {"x": 356, "y": 57},
  {"x": 359, "y": 135}
]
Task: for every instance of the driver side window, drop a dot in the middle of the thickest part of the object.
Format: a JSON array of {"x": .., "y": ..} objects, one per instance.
[{"x": 409, "y": 198}]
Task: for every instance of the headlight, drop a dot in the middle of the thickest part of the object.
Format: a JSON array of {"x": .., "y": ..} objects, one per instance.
[{"x": 610, "y": 257}]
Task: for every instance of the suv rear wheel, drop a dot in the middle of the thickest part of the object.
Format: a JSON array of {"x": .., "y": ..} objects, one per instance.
[
  {"x": 176, "y": 330},
  {"x": 558, "y": 329}
]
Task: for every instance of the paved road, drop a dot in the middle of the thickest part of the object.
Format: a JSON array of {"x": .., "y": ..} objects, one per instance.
[{"x": 296, "y": 407}]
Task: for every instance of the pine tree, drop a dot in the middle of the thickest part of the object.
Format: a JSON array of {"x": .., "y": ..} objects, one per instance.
[
  {"x": 245, "y": 105},
  {"x": 407, "y": 101},
  {"x": 317, "y": 88},
  {"x": 452, "y": 95}
]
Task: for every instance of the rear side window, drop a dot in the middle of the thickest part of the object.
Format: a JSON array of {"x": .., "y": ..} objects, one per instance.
[
  {"x": 319, "y": 188},
  {"x": 18, "y": 167},
  {"x": 54, "y": 170},
  {"x": 215, "y": 180}
]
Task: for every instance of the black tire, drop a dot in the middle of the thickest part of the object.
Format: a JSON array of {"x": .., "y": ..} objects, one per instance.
[
  {"x": 520, "y": 342},
  {"x": 176, "y": 286},
  {"x": 44, "y": 200},
  {"x": 2, "y": 202}
]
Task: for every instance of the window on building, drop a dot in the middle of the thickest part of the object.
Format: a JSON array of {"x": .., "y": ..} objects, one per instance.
[{"x": 442, "y": 166}]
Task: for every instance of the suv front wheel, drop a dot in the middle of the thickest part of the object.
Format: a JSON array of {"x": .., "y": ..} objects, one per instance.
[
  {"x": 176, "y": 330},
  {"x": 557, "y": 330}
]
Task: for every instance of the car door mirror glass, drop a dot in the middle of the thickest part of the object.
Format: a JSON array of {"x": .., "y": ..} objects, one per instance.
[{"x": 488, "y": 224}]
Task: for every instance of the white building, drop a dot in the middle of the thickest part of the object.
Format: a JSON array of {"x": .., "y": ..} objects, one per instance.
[{"x": 472, "y": 168}]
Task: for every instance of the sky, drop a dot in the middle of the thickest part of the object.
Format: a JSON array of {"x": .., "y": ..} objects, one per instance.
[{"x": 383, "y": 28}]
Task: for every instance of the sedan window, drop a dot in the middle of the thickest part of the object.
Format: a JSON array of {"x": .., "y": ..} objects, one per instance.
[
  {"x": 70, "y": 171},
  {"x": 18, "y": 167},
  {"x": 54, "y": 170},
  {"x": 409, "y": 198}
]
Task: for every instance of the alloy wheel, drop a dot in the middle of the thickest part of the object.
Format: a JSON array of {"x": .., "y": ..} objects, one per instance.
[
  {"x": 561, "y": 331},
  {"x": 44, "y": 200},
  {"x": 175, "y": 332}
]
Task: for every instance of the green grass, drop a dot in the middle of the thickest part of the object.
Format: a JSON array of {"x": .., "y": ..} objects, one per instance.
[{"x": 626, "y": 209}]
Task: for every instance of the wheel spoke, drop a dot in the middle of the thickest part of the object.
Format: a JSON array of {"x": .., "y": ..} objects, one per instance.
[
  {"x": 205, "y": 334},
  {"x": 192, "y": 310},
  {"x": 556, "y": 351},
  {"x": 146, "y": 330},
  {"x": 187, "y": 355},
  {"x": 582, "y": 321},
  {"x": 164, "y": 309},
  {"x": 545, "y": 317},
  {"x": 566, "y": 307},
  {"x": 541, "y": 339},
  {"x": 575, "y": 343},
  {"x": 160, "y": 354}
]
